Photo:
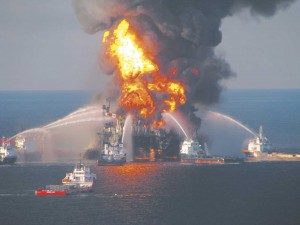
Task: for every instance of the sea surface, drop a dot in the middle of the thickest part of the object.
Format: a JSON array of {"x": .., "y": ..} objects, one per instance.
[{"x": 158, "y": 193}]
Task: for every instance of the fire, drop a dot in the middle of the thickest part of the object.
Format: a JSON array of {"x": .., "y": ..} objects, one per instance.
[
  {"x": 136, "y": 96},
  {"x": 158, "y": 124},
  {"x": 143, "y": 89},
  {"x": 132, "y": 60},
  {"x": 175, "y": 90}
]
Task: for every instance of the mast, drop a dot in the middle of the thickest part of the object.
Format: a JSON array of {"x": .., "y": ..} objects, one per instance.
[
  {"x": 106, "y": 107},
  {"x": 260, "y": 133}
]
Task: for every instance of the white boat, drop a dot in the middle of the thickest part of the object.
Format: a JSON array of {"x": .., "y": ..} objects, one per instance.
[
  {"x": 112, "y": 155},
  {"x": 7, "y": 153},
  {"x": 193, "y": 152},
  {"x": 260, "y": 149},
  {"x": 81, "y": 177}
]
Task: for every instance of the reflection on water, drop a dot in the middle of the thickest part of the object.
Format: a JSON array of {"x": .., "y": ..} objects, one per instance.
[
  {"x": 130, "y": 180},
  {"x": 132, "y": 170}
]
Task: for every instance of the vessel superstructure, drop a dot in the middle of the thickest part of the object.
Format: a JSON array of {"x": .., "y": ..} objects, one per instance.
[
  {"x": 81, "y": 176},
  {"x": 260, "y": 149},
  {"x": 193, "y": 152},
  {"x": 7, "y": 153},
  {"x": 112, "y": 151}
]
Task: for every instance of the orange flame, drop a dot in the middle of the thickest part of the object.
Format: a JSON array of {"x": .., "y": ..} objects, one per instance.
[
  {"x": 158, "y": 124},
  {"x": 131, "y": 58},
  {"x": 140, "y": 81}
]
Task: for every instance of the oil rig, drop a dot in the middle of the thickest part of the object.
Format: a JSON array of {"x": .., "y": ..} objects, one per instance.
[
  {"x": 148, "y": 143},
  {"x": 154, "y": 144}
]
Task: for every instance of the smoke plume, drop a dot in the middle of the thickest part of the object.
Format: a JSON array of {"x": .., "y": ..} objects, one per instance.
[{"x": 182, "y": 35}]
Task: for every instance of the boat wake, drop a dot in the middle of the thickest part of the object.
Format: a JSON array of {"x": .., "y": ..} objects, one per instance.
[{"x": 15, "y": 194}]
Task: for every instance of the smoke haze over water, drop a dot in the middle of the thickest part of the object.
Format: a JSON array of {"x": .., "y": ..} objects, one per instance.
[{"x": 180, "y": 34}]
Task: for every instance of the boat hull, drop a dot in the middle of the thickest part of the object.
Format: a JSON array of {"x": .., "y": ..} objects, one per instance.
[
  {"x": 105, "y": 160},
  {"x": 63, "y": 190},
  {"x": 278, "y": 157},
  {"x": 203, "y": 161},
  {"x": 110, "y": 163},
  {"x": 8, "y": 160},
  {"x": 233, "y": 160},
  {"x": 43, "y": 192}
]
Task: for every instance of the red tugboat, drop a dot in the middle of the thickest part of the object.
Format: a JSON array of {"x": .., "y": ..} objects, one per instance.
[
  {"x": 79, "y": 181},
  {"x": 53, "y": 190}
]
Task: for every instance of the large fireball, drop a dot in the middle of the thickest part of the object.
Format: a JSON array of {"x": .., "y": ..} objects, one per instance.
[{"x": 144, "y": 89}]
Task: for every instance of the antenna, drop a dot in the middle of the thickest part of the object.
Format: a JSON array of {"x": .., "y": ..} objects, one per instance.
[{"x": 80, "y": 164}]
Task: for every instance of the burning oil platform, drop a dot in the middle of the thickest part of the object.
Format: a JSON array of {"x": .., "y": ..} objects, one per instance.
[
  {"x": 146, "y": 89},
  {"x": 112, "y": 151},
  {"x": 148, "y": 143},
  {"x": 153, "y": 144}
]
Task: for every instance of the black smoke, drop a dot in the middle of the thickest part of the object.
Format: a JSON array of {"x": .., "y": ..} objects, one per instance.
[{"x": 182, "y": 35}]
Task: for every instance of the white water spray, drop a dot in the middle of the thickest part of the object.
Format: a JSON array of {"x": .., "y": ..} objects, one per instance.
[
  {"x": 126, "y": 127},
  {"x": 82, "y": 115},
  {"x": 234, "y": 121},
  {"x": 127, "y": 138},
  {"x": 76, "y": 122},
  {"x": 68, "y": 141},
  {"x": 89, "y": 111},
  {"x": 177, "y": 123},
  {"x": 31, "y": 131},
  {"x": 225, "y": 136}
]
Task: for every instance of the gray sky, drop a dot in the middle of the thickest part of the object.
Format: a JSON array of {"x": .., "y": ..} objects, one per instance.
[
  {"x": 264, "y": 52},
  {"x": 42, "y": 47}
]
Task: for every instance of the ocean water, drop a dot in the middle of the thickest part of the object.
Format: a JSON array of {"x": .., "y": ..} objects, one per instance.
[{"x": 157, "y": 193}]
